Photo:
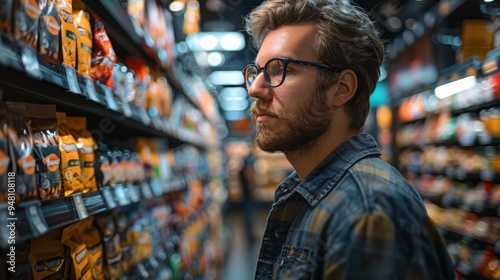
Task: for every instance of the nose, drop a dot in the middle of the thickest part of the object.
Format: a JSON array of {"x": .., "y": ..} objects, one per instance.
[{"x": 259, "y": 88}]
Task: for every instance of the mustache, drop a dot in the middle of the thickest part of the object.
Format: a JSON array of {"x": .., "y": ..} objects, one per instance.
[{"x": 262, "y": 107}]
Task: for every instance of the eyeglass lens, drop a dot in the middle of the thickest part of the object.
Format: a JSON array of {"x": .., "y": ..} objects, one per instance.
[{"x": 273, "y": 73}]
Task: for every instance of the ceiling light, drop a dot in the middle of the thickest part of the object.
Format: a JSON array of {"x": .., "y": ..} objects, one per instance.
[
  {"x": 208, "y": 42},
  {"x": 215, "y": 59},
  {"x": 234, "y": 78},
  {"x": 176, "y": 6},
  {"x": 455, "y": 87},
  {"x": 232, "y": 42}
]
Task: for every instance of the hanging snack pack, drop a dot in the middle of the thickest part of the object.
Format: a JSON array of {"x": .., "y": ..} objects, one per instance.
[
  {"x": 84, "y": 37},
  {"x": 70, "y": 159},
  {"x": 26, "y": 14},
  {"x": 92, "y": 239},
  {"x": 86, "y": 149},
  {"x": 49, "y": 31},
  {"x": 47, "y": 154},
  {"x": 22, "y": 147},
  {"x": 103, "y": 55},
  {"x": 80, "y": 265},
  {"x": 107, "y": 225},
  {"x": 69, "y": 30},
  {"x": 6, "y": 16},
  {"x": 48, "y": 256}
]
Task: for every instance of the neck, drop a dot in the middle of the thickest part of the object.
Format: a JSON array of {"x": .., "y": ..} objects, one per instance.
[{"x": 305, "y": 159}]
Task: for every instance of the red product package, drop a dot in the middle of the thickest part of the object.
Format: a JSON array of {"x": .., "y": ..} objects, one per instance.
[{"x": 103, "y": 55}]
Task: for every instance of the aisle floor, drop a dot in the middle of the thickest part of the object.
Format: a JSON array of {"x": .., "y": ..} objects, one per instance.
[{"x": 242, "y": 257}]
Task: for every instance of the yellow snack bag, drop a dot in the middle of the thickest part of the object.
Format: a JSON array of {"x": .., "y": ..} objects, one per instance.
[
  {"x": 92, "y": 239},
  {"x": 86, "y": 150},
  {"x": 48, "y": 256},
  {"x": 84, "y": 41},
  {"x": 78, "y": 251},
  {"x": 70, "y": 159},
  {"x": 68, "y": 33}
]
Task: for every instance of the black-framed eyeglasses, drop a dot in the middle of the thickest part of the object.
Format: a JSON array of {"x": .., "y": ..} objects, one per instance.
[{"x": 275, "y": 70}]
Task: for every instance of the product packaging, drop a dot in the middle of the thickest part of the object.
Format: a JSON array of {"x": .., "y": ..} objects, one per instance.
[
  {"x": 6, "y": 11},
  {"x": 86, "y": 150},
  {"x": 80, "y": 266},
  {"x": 47, "y": 154},
  {"x": 22, "y": 147},
  {"x": 92, "y": 239},
  {"x": 84, "y": 38},
  {"x": 103, "y": 55},
  {"x": 102, "y": 166},
  {"x": 69, "y": 30},
  {"x": 107, "y": 226},
  {"x": 142, "y": 79},
  {"x": 135, "y": 9},
  {"x": 70, "y": 158},
  {"x": 48, "y": 256},
  {"x": 26, "y": 15},
  {"x": 49, "y": 31}
]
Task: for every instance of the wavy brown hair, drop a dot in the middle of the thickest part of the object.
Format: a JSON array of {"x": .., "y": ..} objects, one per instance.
[{"x": 346, "y": 39}]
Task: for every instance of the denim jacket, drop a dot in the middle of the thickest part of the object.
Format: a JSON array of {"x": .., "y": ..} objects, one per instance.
[{"x": 353, "y": 217}]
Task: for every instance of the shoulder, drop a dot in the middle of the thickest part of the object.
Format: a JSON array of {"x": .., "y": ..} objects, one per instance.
[{"x": 373, "y": 186}]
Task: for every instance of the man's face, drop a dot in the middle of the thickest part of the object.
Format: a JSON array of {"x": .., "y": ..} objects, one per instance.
[{"x": 289, "y": 117}]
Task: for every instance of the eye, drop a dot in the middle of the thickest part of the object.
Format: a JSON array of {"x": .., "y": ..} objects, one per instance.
[{"x": 275, "y": 68}]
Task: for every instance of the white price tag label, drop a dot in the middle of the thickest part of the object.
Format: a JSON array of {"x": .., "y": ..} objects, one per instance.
[
  {"x": 79, "y": 206},
  {"x": 108, "y": 198},
  {"x": 142, "y": 270},
  {"x": 156, "y": 187},
  {"x": 144, "y": 116},
  {"x": 133, "y": 194},
  {"x": 110, "y": 99},
  {"x": 153, "y": 262},
  {"x": 71, "y": 79},
  {"x": 126, "y": 109},
  {"x": 90, "y": 89},
  {"x": 121, "y": 196},
  {"x": 36, "y": 221},
  {"x": 30, "y": 62},
  {"x": 146, "y": 191}
]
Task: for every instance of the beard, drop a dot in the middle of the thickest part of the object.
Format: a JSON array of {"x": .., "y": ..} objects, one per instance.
[{"x": 300, "y": 127}]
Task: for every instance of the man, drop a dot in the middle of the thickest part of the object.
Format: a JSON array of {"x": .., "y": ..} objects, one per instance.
[{"x": 344, "y": 213}]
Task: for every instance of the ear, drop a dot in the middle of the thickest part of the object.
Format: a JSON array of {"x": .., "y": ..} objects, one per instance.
[{"x": 345, "y": 87}]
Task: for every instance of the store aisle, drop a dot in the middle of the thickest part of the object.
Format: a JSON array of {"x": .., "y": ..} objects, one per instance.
[{"x": 242, "y": 257}]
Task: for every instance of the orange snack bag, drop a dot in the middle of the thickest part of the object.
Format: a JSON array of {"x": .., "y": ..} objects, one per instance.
[
  {"x": 84, "y": 39},
  {"x": 70, "y": 159},
  {"x": 48, "y": 256},
  {"x": 86, "y": 150},
  {"x": 103, "y": 55},
  {"x": 78, "y": 251},
  {"x": 68, "y": 33}
]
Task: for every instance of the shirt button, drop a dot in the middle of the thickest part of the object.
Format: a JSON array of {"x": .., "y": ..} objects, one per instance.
[{"x": 276, "y": 233}]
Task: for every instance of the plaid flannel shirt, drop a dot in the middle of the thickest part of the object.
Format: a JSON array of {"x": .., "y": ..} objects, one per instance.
[{"x": 353, "y": 217}]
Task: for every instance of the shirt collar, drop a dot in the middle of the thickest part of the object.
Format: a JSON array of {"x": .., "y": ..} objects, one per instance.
[{"x": 327, "y": 174}]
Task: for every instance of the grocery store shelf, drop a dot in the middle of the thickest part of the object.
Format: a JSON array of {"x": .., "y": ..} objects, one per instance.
[
  {"x": 78, "y": 94},
  {"x": 34, "y": 218}
]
